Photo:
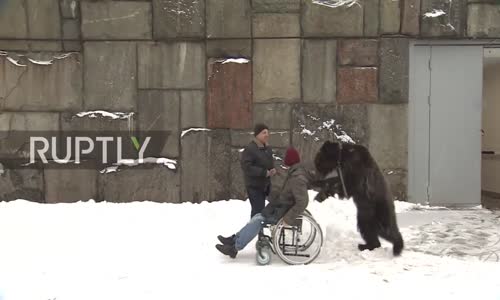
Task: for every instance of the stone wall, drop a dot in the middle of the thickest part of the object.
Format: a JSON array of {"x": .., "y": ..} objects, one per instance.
[{"x": 308, "y": 64}]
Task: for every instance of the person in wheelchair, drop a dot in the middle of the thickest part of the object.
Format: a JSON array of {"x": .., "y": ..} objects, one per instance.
[{"x": 291, "y": 202}]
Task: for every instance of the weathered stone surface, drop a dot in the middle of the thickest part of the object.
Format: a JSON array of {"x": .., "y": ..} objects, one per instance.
[
  {"x": 452, "y": 23},
  {"x": 72, "y": 46},
  {"x": 312, "y": 126},
  {"x": 321, "y": 20},
  {"x": 390, "y": 16},
  {"x": 110, "y": 75},
  {"x": 72, "y": 122},
  {"x": 43, "y": 19},
  {"x": 394, "y": 60},
  {"x": 483, "y": 21},
  {"x": 71, "y": 29},
  {"x": 193, "y": 109},
  {"x": 17, "y": 128},
  {"x": 398, "y": 183},
  {"x": 206, "y": 166},
  {"x": 65, "y": 185},
  {"x": 276, "y": 70},
  {"x": 53, "y": 46},
  {"x": 172, "y": 65},
  {"x": 14, "y": 45},
  {"x": 24, "y": 184},
  {"x": 274, "y": 115},
  {"x": 238, "y": 190},
  {"x": 228, "y": 19},
  {"x": 411, "y": 18},
  {"x": 145, "y": 183},
  {"x": 13, "y": 23},
  {"x": 278, "y": 138},
  {"x": 95, "y": 126},
  {"x": 319, "y": 60},
  {"x": 388, "y": 142},
  {"x": 276, "y": 25},
  {"x": 116, "y": 20},
  {"x": 276, "y": 6},
  {"x": 160, "y": 111},
  {"x": 41, "y": 87},
  {"x": 229, "y": 102},
  {"x": 357, "y": 85},
  {"x": 361, "y": 53},
  {"x": 178, "y": 18},
  {"x": 371, "y": 17},
  {"x": 70, "y": 8},
  {"x": 229, "y": 48}
]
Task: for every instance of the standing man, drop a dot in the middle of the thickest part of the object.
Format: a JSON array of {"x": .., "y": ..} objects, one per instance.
[{"x": 258, "y": 166}]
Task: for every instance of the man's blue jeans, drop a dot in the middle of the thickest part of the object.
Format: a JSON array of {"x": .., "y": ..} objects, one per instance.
[{"x": 249, "y": 231}]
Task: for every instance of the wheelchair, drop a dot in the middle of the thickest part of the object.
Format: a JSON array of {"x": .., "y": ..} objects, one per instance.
[{"x": 295, "y": 245}]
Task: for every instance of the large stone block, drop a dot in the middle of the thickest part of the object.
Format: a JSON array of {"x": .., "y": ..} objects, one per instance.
[
  {"x": 110, "y": 75},
  {"x": 393, "y": 80},
  {"x": 193, "y": 109},
  {"x": 314, "y": 124},
  {"x": 398, "y": 183},
  {"x": 319, "y": 60},
  {"x": 178, "y": 18},
  {"x": 361, "y": 53},
  {"x": 206, "y": 166},
  {"x": 274, "y": 115},
  {"x": 228, "y": 19},
  {"x": 43, "y": 19},
  {"x": 160, "y": 111},
  {"x": 172, "y": 65},
  {"x": 71, "y": 122},
  {"x": 452, "y": 23},
  {"x": 278, "y": 138},
  {"x": 357, "y": 85},
  {"x": 229, "y": 48},
  {"x": 26, "y": 184},
  {"x": 276, "y": 25},
  {"x": 388, "y": 137},
  {"x": 66, "y": 185},
  {"x": 371, "y": 17},
  {"x": 238, "y": 190},
  {"x": 276, "y": 6},
  {"x": 410, "y": 24},
  {"x": 46, "y": 46},
  {"x": 17, "y": 128},
  {"x": 145, "y": 183},
  {"x": 483, "y": 21},
  {"x": 70, "y": 9},
  {"x": 13, "y": 22},
  {"x": 324, "y": 21},
  {"x": 71, "y": 29},
  {"x": 34, "y": 86},
  {"x": 116, "y": 20},
  {"x": 390, "y": 16},
  {"x": 14, "y": 45},
  {"x": 276, "y": 70},
  {"x": 229, "y": 102}
]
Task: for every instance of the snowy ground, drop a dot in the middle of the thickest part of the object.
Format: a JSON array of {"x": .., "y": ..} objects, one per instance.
[{"x": 145, "y": 251}]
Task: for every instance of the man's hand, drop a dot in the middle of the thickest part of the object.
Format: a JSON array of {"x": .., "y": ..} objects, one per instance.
[{"x": 271, "y": 172}]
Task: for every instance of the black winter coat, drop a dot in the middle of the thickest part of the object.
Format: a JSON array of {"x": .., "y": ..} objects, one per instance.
[{"x": 255, "y": 162}]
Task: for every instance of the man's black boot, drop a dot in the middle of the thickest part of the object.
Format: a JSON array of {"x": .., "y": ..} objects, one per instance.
[
  {"x": 227, "y": 240},
  {"x": 229, "y": 250}
]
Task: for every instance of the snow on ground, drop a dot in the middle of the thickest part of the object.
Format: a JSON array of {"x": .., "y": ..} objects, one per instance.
[{"x": 147, "y": 250}]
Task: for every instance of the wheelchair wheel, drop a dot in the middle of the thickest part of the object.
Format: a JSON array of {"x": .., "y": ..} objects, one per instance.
[
  {"x": 264, "y": 256},
  {"x": 298, "y": 245}
]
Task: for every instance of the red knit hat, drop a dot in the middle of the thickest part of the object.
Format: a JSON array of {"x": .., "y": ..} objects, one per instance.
[{"x": 291, "y": 157}]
